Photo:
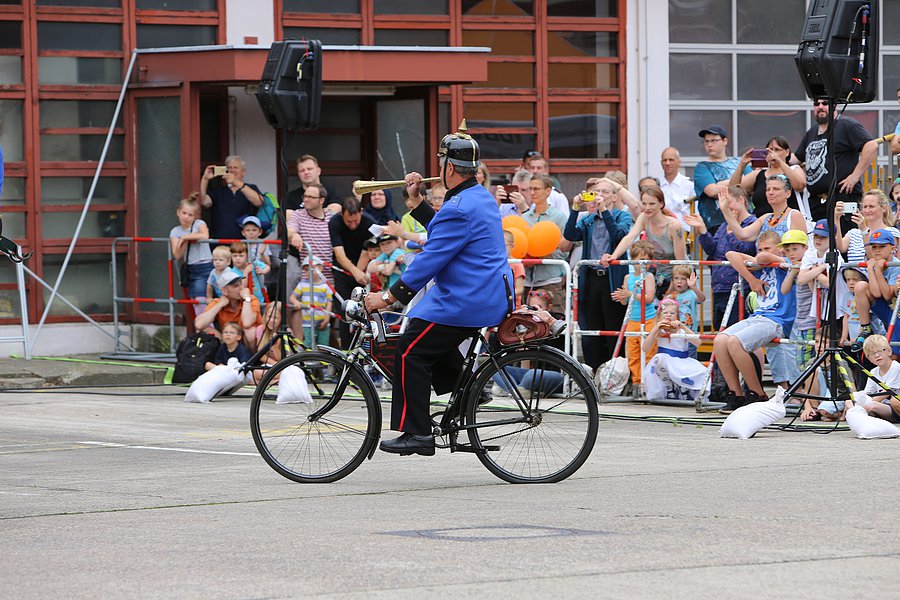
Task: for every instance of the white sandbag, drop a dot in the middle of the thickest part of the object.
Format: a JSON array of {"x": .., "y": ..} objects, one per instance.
[
  {"x": 744, "y": 422},
  {"x": 867, "y": 427},
  {"x": 212, "y": 383},
  {"x": 292, "y": 387},
  {"x": 861, "y": 398}
]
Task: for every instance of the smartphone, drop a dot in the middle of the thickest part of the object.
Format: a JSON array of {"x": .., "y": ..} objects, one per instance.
[
  {"x": 851, "y": 208},
  {"x": 219, "y": 171},
  {"x": 758, "y": 158}
]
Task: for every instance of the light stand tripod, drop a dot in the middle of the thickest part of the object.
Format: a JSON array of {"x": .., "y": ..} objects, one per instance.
[{"x": 838, "y": 364}]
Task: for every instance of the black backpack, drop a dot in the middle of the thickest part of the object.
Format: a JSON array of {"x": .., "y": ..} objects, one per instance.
[{"x": 192, "y": 354}]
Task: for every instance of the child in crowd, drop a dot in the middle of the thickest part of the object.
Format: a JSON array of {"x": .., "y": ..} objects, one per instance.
[
  {"x": 251, "y": 229},
  {"x": 391, "y": 263},
  {"x": 883, "y": 406},
  {"x": 265, "y": 332},
  {"x": 436, "y": 196},
  {"x": 875, "y": 296},
  {"x": 783, "y": 357},
  {"x": 221, "y": 260},
  {"x": 688, "y": 295},
  {"x": 191, "y": 228},
  {"x": 641, "y": 250},
  {"x": 672, "y": 374},
  {"x": 847, "y": 309},
  {"x": 252, "y": 272},
  {"x": 315, "y": 305},
  {"x": 518, "y": 269},
  {"x": 370, "y": 246},
  {"x": 777, "y": 306},
  {"x": 231, "y": 346}
]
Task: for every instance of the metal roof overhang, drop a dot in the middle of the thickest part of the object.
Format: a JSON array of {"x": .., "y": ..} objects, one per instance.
[{"x": 376, "y": 65}]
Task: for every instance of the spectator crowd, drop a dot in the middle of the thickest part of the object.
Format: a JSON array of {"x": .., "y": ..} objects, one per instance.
[{"x": 761, "y": 214}]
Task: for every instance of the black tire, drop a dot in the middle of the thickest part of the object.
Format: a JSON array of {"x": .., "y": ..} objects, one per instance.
[
  {"x": 329, "y": 447},
  {"x": 554, "y": 429}
]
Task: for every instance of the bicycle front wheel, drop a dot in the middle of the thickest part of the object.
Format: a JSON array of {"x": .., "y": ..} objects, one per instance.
[
  {"x": 315, "y": 417},
  {"x": 535, "y": 415}
]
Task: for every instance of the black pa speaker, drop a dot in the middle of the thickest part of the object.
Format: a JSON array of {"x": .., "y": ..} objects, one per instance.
[
  {"x": 290, "y": 89},
  {"x": 838, "y": 53}
]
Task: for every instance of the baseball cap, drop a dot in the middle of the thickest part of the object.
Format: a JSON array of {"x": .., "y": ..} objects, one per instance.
[
  {"x": 228, "y": 277},
  {"x": 714, "y": 129},
  {"x": 821, "y": 228},
  {"x": 253, "y": 220},
  {"x": 794, "y": 236},
  {"x": 881, "y": 236},
  {"x": 370, "y": 243},
  {"x": 385, "y": 237}
]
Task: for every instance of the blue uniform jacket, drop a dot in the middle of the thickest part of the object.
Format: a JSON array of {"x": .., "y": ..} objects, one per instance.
[{"x": 466, "y": 256}]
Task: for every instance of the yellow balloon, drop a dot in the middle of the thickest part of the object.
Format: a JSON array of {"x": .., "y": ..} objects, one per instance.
[{"x": 543, "y": 239}]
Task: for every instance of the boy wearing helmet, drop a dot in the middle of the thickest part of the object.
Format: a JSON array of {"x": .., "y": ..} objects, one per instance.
[{"x": 466, "y": 257}]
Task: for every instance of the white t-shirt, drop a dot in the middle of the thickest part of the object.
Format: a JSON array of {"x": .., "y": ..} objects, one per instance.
[
  {"x": 891, "y": 379},
  {"x": 676, "y": 192}
]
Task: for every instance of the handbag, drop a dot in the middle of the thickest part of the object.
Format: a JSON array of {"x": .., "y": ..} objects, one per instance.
[
  {"x": 184, "y": 271},
  {"x": 527, "y": 324}
]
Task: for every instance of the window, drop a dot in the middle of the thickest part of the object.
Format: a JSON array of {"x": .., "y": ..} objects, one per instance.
[
  {"x": 81, "y": 3},
  {"x": 86, "y": 284},
  {"x": 74, "y": 190},
  {"x": 74, "y": 70},
  {"x": 769, "y": 21},
  {"x": 583, "y": 130},
  {"x": 317, "y": 6},
  {"x": 700, "y": 21},
  {"x": 165, "y": 36},
  {"x": 53, "y": 35},
  {"x": 411, "y": 37},
  {"x": 176, "y": 4},
  {"x": 410, "y": 7},
  {"x": 501, "y": 43},
  {"x": 498, "y": 8},
  {"x": 582, "y": 8},
  {"x": 499, "y": 114},
  {"x": 11, "y": 139},
  {"x": 582, "y": 44},
  {"x": 326, "y": 35}
]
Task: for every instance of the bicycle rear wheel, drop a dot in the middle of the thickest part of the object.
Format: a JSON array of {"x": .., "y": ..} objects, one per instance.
[
  {"x": 326, "y": 438},
  {"x": 542, "y": 415}
]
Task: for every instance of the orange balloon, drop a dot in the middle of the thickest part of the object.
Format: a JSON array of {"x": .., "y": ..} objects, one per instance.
[
  {"x": 543, "y": 239},
  {"x": 515, "y": 222},
  {"x": 520, "y": 242}
]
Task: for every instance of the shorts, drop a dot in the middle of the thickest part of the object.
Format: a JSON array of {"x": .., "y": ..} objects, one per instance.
[
  {"x": 754, "y": 332},
  {"x": 805, "y": 353},
  {"x": 831, "y": 407}
]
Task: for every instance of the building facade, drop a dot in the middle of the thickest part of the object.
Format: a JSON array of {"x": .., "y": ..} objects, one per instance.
[{"x": 595, "y": 85}]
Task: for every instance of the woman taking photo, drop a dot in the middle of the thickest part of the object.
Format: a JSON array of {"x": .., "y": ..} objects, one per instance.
[
  {"x": 874, "y": 213},
  {"x": 754, "y": 182}
]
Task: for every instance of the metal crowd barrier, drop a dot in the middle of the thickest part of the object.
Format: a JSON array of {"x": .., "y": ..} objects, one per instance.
[
  {"x": 23, "y": 306},
  {"x": 736, "y": 296},
  {"x": 171, "y": 301}
]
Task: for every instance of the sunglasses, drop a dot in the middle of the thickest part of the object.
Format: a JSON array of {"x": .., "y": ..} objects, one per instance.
[{"x": 820, "y": 103}]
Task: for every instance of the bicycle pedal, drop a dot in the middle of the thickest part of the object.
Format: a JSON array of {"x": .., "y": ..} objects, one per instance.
[{"x": 468, "y": 448}]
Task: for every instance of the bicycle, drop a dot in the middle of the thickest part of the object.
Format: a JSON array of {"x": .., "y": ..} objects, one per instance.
[{"x": 530, "y": 411}]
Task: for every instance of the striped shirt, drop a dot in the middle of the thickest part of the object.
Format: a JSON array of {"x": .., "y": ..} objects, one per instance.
[
  {"x": 321, "y": 295},
  {"x": 315, "y": 233}
]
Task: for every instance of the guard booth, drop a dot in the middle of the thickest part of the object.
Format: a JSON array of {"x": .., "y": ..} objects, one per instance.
[{"x": 193, "y": 106}]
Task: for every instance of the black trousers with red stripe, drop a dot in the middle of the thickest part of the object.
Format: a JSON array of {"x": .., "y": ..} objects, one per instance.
[{"x": 427, "y": 356}]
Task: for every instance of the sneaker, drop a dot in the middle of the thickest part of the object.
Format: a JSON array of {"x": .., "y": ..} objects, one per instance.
[
  {"x": 732, "y": 403},
  {"x": 864, "y": 332},
  {"x": 754, "y": 397},
  {"x": 637, "y": 391},
  {"x": 498, "y": 392}
]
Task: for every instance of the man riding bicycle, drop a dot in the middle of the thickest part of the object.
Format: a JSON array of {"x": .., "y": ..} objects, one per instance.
[{"x": 466, "y": 256}]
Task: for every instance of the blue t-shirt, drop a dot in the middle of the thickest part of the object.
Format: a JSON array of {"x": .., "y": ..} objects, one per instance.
[
  {"x": 240, "y": 352},
  {"x": 650, "y": 311},
  {"x": 397, "y": 254},
  {"x": 687, "y": 308},
  {"x": 781, "y": 308}
]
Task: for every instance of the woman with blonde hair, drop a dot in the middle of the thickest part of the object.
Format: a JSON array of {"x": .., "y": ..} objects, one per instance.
[
  {"x": 483, "y": 176},
  {"x": 874, "y": 213}
]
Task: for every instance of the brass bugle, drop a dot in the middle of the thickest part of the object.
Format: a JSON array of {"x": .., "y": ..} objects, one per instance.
[{"x": 361, "y": 187}]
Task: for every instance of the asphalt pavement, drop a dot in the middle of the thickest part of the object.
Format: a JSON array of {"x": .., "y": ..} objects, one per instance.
[{"x": 128, "y": 492}]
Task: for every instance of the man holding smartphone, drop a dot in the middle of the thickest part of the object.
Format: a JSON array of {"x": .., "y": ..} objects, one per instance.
[{"x": 231, "y": 199}]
